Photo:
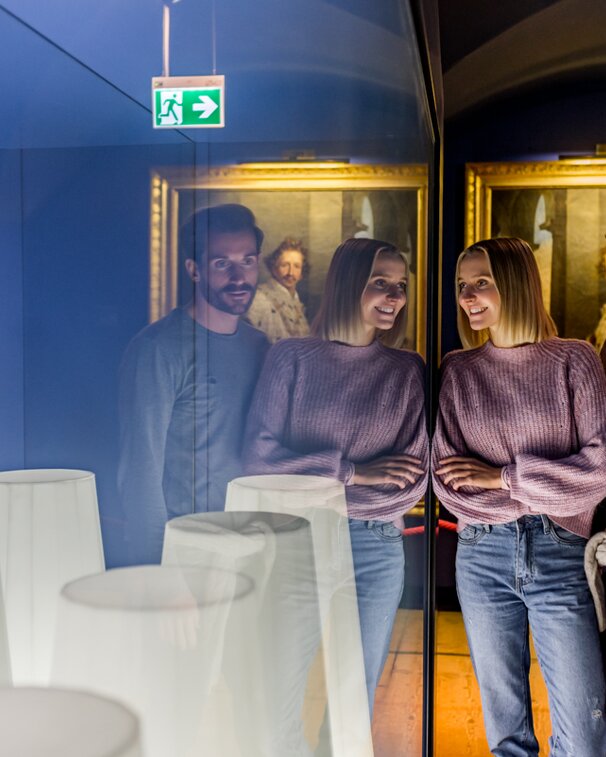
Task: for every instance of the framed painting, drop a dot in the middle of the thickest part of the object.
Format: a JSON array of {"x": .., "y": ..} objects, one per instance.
[
  {"x": 559, "y": 208},
  {"x": 320, "y": 204}
]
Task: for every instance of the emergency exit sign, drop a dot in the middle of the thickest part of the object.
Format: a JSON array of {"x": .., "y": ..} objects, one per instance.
[{"x": 188, "y": 102}]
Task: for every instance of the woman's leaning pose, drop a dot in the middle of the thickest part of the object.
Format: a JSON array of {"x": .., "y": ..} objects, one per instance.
[
  {"x": 520, "y": 458},
  {"x": 345, "y": 404}
]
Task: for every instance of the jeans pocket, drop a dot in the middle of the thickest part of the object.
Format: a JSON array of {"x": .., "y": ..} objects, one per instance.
[
  {"x": 471, "y": 535},
  {"x": 386, "y": 532},
  {"x": 562, "y": 536}
]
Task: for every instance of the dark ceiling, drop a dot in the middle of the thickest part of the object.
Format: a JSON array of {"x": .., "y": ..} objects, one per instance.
[
  {"x": 467, "y": 24},
  {"x": 493, "y": 50}
]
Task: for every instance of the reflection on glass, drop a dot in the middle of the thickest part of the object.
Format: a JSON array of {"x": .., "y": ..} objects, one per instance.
[
  {"x": 334, "y": 715},
  {"x": 277, "y": 309},
  {"x": 70, "y": 723},
  {"x": 152, "y": 637},
  {"x": 271, "y": 638},
  {"x": 85, "y": 253},
  {"x": 289, "y": 200},
  {"x": 316, "y": 402},
  {"x": 49, "y": 535},
  {"x": 186, "y": 383}
]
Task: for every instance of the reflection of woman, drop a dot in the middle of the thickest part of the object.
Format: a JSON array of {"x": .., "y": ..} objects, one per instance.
[
  {"x": 277, "y": 309},
  {"x": 343, "y": 404},
  {"x": 519, "y": 457}
]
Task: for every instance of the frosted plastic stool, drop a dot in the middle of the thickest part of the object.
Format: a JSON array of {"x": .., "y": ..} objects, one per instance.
[
  {"x": 265, "y": 654},
  {"x": 150, "y": 636},
  {"x": 49, "y": 535},
  {"x": 5, "y": 661},
  {"x": 322, "y": 502},
  {"x": 37, "y": 722}
]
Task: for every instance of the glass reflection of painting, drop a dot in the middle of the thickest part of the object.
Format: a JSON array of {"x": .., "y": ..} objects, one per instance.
[
  {"x": 322, "y": 220},
  {"x": 390, "y": 206},
  {"x": 277, "y": 309}
]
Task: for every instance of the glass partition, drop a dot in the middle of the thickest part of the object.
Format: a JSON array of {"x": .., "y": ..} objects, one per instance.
[{"x": 117, "y": 359}]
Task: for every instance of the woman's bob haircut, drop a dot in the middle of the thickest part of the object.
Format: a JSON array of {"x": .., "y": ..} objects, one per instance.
[
  {"x": 516, "y": 276},
  {"x": 340, "y": 316}
]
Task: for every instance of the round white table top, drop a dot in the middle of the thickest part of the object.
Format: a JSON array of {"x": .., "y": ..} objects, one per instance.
[
  {"x": 43, "y": 476},
  {"x": 41, "y": 722},
  {"x": 160, "y": 588}
]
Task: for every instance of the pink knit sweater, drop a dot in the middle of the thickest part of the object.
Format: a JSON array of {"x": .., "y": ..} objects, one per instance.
[
  {"x": 322, "y": 406},
  {"x": 538, "y": 409}
]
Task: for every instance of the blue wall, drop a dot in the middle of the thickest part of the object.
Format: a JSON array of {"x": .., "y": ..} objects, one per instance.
[
  {"x": 12, "y": 453},
  {"x": 85, "y": 294}
]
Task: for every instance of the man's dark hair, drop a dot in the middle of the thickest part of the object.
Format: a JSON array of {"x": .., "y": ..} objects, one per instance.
[{"x": 219, "y": 219}]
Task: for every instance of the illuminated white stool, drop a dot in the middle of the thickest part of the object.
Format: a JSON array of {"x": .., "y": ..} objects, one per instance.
[
  {"x": 43, "y": 722},
  {"x": 152, "y": 637},
  {"x": 49, "y": 535},
  {"x": 322, "y": 502},
  {"x": 264, "y": 657}
]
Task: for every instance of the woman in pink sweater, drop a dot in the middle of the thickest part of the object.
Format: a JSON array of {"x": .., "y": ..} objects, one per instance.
[
  {"x": 347, "y": 404},
  {"x": 519, "y": 457}
]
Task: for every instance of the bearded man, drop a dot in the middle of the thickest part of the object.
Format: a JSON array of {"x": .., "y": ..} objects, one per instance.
[{"x": 186, "y": 382}]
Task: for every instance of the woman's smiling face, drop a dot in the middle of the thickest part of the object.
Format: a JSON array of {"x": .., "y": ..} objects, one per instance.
[
  {"x": 478, "y": 294},
  {"x": 385, "y": 294}
]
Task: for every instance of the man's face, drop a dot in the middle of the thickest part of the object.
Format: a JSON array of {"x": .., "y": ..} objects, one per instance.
[
  {"x": 227, "y": 277},
  {"x": 289, "y": 269}
]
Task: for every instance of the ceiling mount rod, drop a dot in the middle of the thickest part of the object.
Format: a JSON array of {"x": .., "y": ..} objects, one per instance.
[{"x": 166, "y": 40}]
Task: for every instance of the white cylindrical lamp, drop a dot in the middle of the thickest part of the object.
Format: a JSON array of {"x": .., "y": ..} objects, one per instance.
[{"x": 49, "y": 535}]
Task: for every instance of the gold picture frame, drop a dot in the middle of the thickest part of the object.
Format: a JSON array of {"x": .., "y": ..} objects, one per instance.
[
  {"x": 322, "y": 203},
  {"x": 559, "y": 207}
]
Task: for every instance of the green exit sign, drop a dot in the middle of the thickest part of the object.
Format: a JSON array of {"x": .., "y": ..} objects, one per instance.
[{"x": 188, "y": 102}]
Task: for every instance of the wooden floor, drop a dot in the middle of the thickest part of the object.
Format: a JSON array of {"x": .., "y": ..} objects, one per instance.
[{"x": 459, "y": 728}]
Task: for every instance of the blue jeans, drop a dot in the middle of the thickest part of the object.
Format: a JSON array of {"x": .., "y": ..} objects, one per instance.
[
  {"x": 529, "y": 573},
  {"x": 378, "y": 558}
]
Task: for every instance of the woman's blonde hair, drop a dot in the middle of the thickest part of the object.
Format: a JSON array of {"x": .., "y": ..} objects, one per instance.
[
  {"x": 516, "y": 276},
  {"x": 340, "y": 316}
]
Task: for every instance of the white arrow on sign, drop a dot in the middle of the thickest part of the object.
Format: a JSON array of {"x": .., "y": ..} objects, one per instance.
[{"x": 206, "y": 106}]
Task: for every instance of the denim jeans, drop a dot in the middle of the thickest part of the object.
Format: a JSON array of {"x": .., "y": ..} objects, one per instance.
[
  {"x": 378, "y": 558},
  {"x": 529, "y": 573},
  {"x": 378, "y": 561}
]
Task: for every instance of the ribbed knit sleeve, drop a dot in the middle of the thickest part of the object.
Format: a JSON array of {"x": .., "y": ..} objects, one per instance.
[
  {"x": 471, "y": 504},
  {"x": 412, "y": 439},
  {"x": 575, "y": 483},
  {"x": 265, "y": 447}
]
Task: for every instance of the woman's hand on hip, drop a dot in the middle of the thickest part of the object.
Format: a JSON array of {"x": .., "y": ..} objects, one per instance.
[
  {"x": 467, "y": 471},
  {"x": 390, "y": 469}
]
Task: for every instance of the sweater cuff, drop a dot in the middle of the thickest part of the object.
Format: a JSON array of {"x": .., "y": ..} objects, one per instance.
[{"x": 505, "y": 478}]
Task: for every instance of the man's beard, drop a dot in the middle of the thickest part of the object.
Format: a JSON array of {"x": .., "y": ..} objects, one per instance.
[{"x": 215, "y": 297}]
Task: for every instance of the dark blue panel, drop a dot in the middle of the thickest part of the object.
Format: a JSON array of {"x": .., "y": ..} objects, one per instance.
[
  {"x": 51, "y": 100},
  {"x": 86, "y": 286},
  {"x": 11, "y": 313},
  {"x": 294, "y": 71}
]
